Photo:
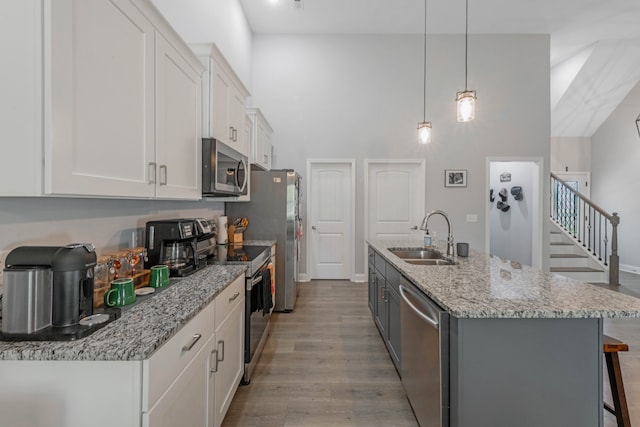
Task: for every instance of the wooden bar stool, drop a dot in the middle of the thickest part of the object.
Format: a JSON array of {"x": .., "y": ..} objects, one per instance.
[{"x": 611, "y": 347}]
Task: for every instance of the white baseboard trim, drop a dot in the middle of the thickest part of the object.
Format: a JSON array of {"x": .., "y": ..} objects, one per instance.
[
  {"x": 359, "y": 278},
  {"x": 630, "y": 268},
  {"x": 302, "y": 277}
]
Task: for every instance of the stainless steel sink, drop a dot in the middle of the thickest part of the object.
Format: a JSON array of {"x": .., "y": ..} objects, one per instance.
[{"x": 420, "y": 256}]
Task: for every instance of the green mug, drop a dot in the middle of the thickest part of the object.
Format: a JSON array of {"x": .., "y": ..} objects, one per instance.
[
  {"x": 121, "y": 293},
  {"x": 159, "y": 276}
]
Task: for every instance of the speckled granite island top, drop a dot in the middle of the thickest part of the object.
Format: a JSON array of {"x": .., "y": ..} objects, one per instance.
[
  {"x": 142, "y": 328},
  {"x": 485, "y": 286}
]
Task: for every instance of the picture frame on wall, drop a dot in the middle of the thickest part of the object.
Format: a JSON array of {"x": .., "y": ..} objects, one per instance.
[{"x": 455, "y": 178}]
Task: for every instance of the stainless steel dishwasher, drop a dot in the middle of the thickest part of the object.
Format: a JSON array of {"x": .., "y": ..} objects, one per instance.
[{"x": 424, "y": 356}]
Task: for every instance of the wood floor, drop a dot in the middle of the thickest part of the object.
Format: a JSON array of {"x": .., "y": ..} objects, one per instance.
[{"x": 326, "y": 365}]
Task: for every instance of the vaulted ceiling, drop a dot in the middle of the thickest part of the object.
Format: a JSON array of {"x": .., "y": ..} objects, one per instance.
[{"x": 595, "y": 44}]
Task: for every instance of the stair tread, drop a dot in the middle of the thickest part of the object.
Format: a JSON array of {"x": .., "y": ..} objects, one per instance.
[
  {"x": 567, "y": 256},
  {"x": 575, "y": 269}
]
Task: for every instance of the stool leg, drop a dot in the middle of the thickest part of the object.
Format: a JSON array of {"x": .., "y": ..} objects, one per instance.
[{"x": 617, "y": 390}]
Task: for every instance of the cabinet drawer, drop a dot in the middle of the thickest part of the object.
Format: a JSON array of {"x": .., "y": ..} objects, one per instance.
[
  {"x": 228, "y": 299},
  {"x": 164, "y": 366}
]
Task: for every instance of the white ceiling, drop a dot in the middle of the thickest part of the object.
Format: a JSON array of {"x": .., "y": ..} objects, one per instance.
[{"x": 595, "y": 44}]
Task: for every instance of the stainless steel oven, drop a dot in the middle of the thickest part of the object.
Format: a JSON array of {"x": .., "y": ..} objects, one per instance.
[
  {"x": 258, "y": 298},
  {"x": 259, "y": 305}
]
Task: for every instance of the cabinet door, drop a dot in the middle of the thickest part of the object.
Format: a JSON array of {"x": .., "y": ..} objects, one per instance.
[
  {"x": 185, "y": 401},
  {"x": 380, "y": 312},
  {"x": 230, "y": 353},
  {"x": 99, "y": 123},
  {"x": 372, "y": 288},
  {"x": 178, "y": 128},
  {"x": 392, "y": 337},
  {"x": 220, "y": 88}
]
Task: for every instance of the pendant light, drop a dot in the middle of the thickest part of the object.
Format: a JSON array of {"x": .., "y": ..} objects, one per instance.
[
  {"x": 466, "y": 99},
  {"x": 424, "y": 127}
]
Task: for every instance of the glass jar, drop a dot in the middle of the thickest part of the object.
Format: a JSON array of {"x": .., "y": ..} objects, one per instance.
[
  {"x": 103, "y": 272},
  {"x": 138, "y": 256},
  {"x": 121, "y": 264}
]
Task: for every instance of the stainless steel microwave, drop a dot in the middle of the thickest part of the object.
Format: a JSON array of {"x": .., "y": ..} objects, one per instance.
[{"x": 224, "y": 170}]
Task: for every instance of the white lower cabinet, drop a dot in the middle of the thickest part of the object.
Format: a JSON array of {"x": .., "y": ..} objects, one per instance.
[
  {"x": 189, "y": 381},
  {"x": 229, "y": 365},
  {"x": 185, "y": 402}
]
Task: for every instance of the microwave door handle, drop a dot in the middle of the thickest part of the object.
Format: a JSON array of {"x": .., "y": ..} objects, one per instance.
[{"x": 246, "y": 175}]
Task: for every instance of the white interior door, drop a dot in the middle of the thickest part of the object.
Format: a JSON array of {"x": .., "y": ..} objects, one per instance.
[
  {"x": 394, "y": 198},
  {"x": 331, "y": 215}
]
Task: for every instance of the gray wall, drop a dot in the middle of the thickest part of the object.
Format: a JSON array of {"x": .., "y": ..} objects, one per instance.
[
  {"x": 336, "y": 97},
  {"x": 614, "y": 175},
  {"x": 108, "y": 224},
  {"x": 570, "y": 154}
]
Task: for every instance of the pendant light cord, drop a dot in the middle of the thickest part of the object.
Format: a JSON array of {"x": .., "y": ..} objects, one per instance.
[
  {"x": 424, "y": 73},
  {"x": 466, "y": 43}
]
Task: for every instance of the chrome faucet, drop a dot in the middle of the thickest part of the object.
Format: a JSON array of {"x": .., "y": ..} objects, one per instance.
[{"x": 423, "y": 226}]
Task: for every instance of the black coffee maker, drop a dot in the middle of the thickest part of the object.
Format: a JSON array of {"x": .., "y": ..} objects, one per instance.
[
  {"x": 173, "y": 242},
  {"x": 56, "y": 284}
]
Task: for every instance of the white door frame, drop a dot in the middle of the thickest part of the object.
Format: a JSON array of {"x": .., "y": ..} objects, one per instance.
[
  {"x": 537, "y": 225},
  {"x": 352, "y": 213},
  {"x": 421, "y": 162}
]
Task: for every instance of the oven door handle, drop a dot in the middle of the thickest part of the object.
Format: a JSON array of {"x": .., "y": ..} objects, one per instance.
[{"x": 256, "y": 280}]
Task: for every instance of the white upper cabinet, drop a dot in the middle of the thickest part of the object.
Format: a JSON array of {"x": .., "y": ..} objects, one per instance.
[
  {"x": 178, "y": 127},
  {"x": 260, "y": 139},
  {"x": 120, "y": 111},
  {"x": 224, "y": 100}
]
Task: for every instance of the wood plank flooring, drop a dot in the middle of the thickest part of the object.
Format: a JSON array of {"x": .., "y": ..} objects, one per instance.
[
  {"x": 326, "y": 365},
  {"x": 323, "y": 365}
]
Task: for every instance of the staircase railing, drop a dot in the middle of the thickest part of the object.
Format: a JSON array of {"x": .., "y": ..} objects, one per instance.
[{"x": 589, "y": 224}]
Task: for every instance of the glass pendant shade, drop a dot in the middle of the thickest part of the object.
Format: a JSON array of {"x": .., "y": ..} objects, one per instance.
[
  {"x": 466, "y": 105},
  {"x": 424, "y": 132}
]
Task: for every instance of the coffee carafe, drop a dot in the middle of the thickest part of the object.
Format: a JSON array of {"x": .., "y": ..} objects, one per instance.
[{"x": 47, "y": 286}]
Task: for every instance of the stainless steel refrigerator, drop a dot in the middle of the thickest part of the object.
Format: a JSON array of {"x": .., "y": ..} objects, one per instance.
[{"x": 274, "y": 213}]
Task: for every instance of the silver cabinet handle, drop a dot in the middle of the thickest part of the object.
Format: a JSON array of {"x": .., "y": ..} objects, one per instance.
[
  {"x": 235, "y": 134},
  {"x": 415, "y": 227},
  {"x": 163, "y": 176},
  {"x": 313, "y": 227},
  {"x": 152, "y": 172},
  {"x": 194, "y": 340},
  {"x": 231, "y": 133},
  {"x": 215, "y": 366},
  {"x": 220, "y": 352},
  {"x": 234, "y": 297}
]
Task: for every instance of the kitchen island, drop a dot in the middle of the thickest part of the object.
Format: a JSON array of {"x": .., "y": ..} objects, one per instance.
[
  {"x": 523, "y": 347},
  {"x": 160, "y": 362}
]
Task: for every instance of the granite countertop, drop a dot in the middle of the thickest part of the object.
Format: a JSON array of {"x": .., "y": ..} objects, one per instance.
[
  {"x": 141, "y": 329},
  {"x": 486, "y": 286}
]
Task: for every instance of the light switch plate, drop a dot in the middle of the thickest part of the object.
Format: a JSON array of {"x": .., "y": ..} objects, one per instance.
[{"x": 472, "y": 217}]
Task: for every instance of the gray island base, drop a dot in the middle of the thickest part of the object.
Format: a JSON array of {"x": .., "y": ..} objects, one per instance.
[{"x": 522, "y": 348}]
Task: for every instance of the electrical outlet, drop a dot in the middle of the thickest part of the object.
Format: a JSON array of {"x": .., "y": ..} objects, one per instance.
[{"x": 472, "y": 217}]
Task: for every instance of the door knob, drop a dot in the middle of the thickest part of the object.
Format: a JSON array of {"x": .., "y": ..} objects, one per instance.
[{"x": 313, "y": 227}]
